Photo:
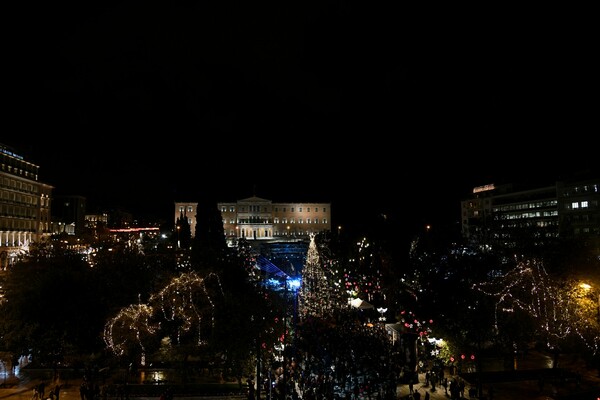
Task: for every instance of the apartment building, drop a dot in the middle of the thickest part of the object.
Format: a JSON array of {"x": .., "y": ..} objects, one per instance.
[
  {"x": 255, "y": 218},
  {"x": 25, "y": 205}
]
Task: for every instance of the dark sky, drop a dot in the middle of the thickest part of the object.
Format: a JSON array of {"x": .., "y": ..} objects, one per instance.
[{"x": 141, "y": 105}]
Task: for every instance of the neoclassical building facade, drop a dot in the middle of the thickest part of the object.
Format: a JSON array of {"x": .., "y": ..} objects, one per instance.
[{"x": 255, "y": 218}]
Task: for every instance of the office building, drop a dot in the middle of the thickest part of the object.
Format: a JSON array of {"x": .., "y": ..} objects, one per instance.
[
  {"x": 68, "y": 215},
  {"x": 509, "y": 214}
]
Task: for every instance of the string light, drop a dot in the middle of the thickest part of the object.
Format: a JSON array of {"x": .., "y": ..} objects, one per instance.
[
  {"x": 179, "y": 300},
  {"x": 553, "y": 305},
  {"x": 315, "y": 294}
]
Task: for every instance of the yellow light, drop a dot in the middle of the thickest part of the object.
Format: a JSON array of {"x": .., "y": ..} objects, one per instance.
[{"x": 585, "y": 286}]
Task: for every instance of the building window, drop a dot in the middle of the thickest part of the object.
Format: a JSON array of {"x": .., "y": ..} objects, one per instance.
[
  {"x": 584, "y": 204},
  {"x": 190, "y": 209},
  {"x": 307, "y": 209},
  {"x": 299, "y": 209},
  {"x": 292, "y": 209},
  {"x": 575, "y": 204}
]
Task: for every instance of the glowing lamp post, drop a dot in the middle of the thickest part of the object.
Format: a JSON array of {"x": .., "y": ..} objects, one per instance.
[
  {"x": 382, "y": 312},
  {"x": 588, "y": 288}
]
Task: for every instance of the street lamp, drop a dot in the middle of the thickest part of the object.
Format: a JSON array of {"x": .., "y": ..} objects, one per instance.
[
  {"x": 382, "y": 312},
  {"x": 589, "y": 288}
]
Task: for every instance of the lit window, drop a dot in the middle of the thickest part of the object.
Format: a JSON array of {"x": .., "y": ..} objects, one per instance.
[
  {"x": 584, "y": 204},
  {"x": 575, "y": 204}
]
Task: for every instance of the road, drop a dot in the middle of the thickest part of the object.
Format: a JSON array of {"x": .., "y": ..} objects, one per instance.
[{"x": 22, "y": 389}]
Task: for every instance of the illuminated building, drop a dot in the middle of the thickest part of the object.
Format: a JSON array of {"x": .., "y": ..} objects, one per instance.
[
  {"x": 68, "y": 215},
  {"x": 507, "y": 214},
  {"x": 259, "y": 219},
  {"x": 24, "y": 205}
]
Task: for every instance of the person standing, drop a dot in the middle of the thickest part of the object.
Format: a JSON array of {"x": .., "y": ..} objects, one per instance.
[
  {"x": 42, "y": 390},
  {"x": 251, "y": 394},
  {"x": 56, "y": 391}
]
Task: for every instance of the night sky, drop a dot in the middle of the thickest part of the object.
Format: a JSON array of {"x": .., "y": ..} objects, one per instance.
[{"x": 362, "y": 105}]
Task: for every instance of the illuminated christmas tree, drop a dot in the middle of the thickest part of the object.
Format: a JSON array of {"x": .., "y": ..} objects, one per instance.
[{"x": 314, "y": 297}]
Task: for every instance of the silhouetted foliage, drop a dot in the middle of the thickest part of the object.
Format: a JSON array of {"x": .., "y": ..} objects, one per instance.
[
  {"x": 51, "y": 306},
  {"x": 183, "y": 232},
  {"x": 209, "y": 248},
  {"x": 57, "y": 304}
]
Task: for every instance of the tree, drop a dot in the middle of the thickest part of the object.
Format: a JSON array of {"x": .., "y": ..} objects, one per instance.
[
  {"x": 315, "y": 294},
  {"x": 209, "y": 251},
  {"x": 183, "y": 232},
  {"x": 58, "y": 301},
  {"x": 561, "y": 315},
  {"x": 50, "y": 306}
]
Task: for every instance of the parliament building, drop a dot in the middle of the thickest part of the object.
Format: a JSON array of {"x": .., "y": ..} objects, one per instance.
[{"x": 259, "y": 219}]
